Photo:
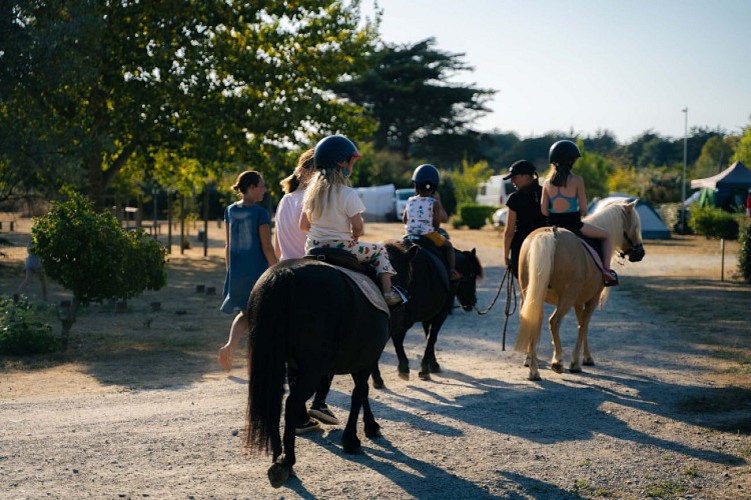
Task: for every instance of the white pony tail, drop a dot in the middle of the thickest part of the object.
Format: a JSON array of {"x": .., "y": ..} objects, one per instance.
[{"x": 539, "y": 262}]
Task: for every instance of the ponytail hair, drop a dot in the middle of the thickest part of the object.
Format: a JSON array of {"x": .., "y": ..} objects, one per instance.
[
  {"x": 245, "y": 180},
  {"x": 293, "y": 182},
  {"x": 559, "y": 174}
]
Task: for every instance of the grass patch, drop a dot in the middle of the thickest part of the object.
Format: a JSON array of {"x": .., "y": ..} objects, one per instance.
[{"x": 664, "y": 489}]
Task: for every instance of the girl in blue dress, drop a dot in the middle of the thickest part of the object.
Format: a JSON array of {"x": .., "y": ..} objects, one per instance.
[{"x": 248, "y": 253}]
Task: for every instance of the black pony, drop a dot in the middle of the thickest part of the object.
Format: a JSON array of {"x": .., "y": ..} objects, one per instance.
[
  {"x": 308, "y": 315},
  {"x": 431, "y": 297}
]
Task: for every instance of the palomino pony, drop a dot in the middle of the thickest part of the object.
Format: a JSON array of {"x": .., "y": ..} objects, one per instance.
[
  {"x": 308, "y": 315},
  {"x": 555, "y": 267},
  {"x": 431, "y": 297}
]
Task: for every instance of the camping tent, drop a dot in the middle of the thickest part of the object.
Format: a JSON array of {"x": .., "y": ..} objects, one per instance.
[
  {"x": 652, "y": 226},
  {"x": 736, "y": 176},
  {"x": 726, "y": 189}
]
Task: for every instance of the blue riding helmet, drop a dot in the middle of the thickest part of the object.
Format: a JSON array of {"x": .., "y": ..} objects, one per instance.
[
  {"x": 563, "y": 153},
  {"x": 426, "y": 177},
  {"x": 332, "y": 150}
]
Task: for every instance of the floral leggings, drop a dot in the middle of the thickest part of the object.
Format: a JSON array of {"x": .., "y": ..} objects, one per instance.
[{"x": 372, "y": 253}]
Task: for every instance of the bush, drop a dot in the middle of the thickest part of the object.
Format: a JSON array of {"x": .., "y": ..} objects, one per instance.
[
  {"x": 714, "y": 223},
  {"x": 21, "y": 333},
  {"x": 744, "y": 253},
  {"x": 475, "y": 216}
]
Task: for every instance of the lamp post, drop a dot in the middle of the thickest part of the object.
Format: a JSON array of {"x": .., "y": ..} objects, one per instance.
[{"x": 685, "y": 155}]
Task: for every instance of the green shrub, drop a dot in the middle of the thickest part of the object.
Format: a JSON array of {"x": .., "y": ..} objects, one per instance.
[
  {"x": 714, "y": 223},
  {"x": 21, "y": 333},
  {"x": 744, "y": 253},
  {"x": 475, "y": 216}
]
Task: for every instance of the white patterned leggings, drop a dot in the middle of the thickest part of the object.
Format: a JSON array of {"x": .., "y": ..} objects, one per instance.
[{"x": 374, "y": 254}]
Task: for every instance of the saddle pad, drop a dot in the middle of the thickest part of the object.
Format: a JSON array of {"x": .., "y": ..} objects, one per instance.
[{"x": 367, "y": 287}]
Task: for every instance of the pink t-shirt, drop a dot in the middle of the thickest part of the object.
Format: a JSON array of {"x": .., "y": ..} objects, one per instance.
[{"x": 291, "y": 239}]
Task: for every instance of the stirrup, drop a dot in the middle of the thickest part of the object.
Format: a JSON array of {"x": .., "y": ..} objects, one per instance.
[{"x": 613, "y": 281}]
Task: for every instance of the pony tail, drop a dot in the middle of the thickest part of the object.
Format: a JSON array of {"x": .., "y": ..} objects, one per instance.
[
  {"x": 540, "y": 251},
  {"x": 266, "y": 358}
]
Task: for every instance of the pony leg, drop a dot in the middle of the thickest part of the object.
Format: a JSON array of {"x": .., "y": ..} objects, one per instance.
[
  {"x": 403, "y": 365},
  {"x": 583, "y": 316},
  {"x": 372, "y": 429},
  {"x": 301, "y": 390},
  {"x": 350, "y": 441},
  {"x": 554, "y": 323},
  {"x": 377, "y": 379},
  {"x": 429, "y": 362}
]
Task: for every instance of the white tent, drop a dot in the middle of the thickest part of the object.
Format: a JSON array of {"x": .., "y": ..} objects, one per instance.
[
  {"x": 378, "y": 201},
  {"x": 652, "y": 226}
]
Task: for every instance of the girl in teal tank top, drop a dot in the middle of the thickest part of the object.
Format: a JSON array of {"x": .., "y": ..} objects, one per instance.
[{"x": 564, "y": 202}]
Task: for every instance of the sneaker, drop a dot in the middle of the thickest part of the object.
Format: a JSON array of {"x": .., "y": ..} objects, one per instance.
[
  {"x": 610, "y": 278},
  {"x": 308, "y": 426},
  {"x": 392, "y": 298},
  {"x": 323, "y": 414},
  {"x": 455, "y": 275}
]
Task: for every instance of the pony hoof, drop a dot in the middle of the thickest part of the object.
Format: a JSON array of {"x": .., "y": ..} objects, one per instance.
[
  {"x": 404, "y": 375},
  {"x": 435, "y": 368},
  {"x": 534, "y": 377},
  {"x": 351, "y": 446},
  {"x": 557, "y": 367},
  {"x": 575, "y": 369},
  {"x": 589, "y": 362},
  {"x": 374, "y": 432},
  {"x": 378, "y": 384},
  {"x": 278, "y": 475},
  {"x": 424, "y": 375}
]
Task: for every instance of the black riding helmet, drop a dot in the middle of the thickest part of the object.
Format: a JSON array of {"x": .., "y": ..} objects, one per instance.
[
  {"x": 332, "y": 150},
  {"x": 426, "y": 177},
  {"x": 564, "y": 153}
]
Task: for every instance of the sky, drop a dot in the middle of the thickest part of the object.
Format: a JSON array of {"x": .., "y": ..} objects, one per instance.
[{"x": 592, "y": 65}]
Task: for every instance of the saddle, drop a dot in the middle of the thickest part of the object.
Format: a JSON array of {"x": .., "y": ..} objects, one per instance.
[
  {"x": 342, "y": 258},
  {"x": 434, "y": 253},
  {"x": 593, "y": 247}
]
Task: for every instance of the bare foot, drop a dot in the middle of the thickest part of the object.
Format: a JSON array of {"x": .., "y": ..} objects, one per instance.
[{"x": 225, "y": 358}]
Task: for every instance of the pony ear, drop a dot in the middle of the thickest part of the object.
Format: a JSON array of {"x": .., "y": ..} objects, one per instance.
[{"x": 632, "y": 204}]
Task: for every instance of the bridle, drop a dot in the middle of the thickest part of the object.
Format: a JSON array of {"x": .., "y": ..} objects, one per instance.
[{"x": 633, "y": 247}]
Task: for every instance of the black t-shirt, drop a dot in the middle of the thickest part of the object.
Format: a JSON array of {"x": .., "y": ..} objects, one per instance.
[{"x": 526, "y": 204}]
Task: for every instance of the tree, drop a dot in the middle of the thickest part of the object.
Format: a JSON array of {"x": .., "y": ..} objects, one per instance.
[
  {"x": 743, "y": 148},
  {"x": 407, "y": 90},
  {"x": 715, "y": 154},
  {"x": 90, "y": 255},
  {"x": 87, "y": 86}
]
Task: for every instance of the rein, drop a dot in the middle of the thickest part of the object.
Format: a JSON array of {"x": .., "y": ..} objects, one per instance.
[{"x": 510, "y": 291}]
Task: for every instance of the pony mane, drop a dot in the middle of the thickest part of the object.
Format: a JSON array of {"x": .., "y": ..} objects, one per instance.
[
  {"x": 610, "y": 217},
  {"x": 615, "y": 219}
]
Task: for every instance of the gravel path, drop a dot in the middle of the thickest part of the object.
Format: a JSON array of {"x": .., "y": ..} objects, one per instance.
[{"x": 477, "y": 430}]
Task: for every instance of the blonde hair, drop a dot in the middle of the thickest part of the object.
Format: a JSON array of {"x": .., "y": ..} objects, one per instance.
[
  {"x": 295, "y": 181},
  {"x": 319, "y": 191}
]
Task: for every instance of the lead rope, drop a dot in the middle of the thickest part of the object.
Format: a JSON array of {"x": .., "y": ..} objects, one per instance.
[{"x": 510, "y": 291}]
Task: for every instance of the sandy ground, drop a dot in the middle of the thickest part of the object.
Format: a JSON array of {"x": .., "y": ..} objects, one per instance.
[{"x": 168, "y": 424}]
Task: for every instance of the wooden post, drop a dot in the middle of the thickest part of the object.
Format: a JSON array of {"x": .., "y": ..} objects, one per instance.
[
  {"x": 722, "y": 261},
  {"x": 169, "y": 222},
  {"x": 206, "y": 221},
  {"x": 182, "y": 224}
]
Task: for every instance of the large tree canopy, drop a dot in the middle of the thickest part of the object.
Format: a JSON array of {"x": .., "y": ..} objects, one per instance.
[
  {"x": 407, "y": 89},
  {"x": 86, "y": 86}
]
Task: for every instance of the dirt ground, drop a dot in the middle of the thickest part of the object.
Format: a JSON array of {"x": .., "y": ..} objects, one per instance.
[{"x": 138, "y": 406}]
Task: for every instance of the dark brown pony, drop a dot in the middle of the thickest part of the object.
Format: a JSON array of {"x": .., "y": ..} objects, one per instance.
[
  {"x": 431, "y": 297},
  {"x": 308, "y": 315},
  {"x": 555, "y": 267}
]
